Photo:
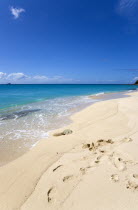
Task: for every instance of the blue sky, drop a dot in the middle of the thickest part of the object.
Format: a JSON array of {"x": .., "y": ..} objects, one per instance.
[{"x": 76, "y": 41}]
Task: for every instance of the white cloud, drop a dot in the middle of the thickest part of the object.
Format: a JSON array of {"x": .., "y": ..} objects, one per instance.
[
  {"x": 127, "y": 4},
  {"x": 16, "y": 12},
  {"x": 21, "y": 78},
  {"x": 127, "y": 7},
  {"x": 2, "y": 75},
  {"x": 17, "y": 76},
  {"x": 135, "y": 78}
]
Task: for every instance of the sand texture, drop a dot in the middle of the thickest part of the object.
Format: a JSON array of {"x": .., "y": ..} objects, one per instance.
[{"x": 95, "y": 167}]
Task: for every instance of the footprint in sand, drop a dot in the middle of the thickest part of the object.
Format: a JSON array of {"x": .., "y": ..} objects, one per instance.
[
  {"x": 50, "y": 194},
  {"x": 118, "y": 162},
  {"x": 98, "y": 159},
  {"x": 85, "y": 146},
  {"x": 115, "y": 177},
  {"x": 132, "y": 185},
  {"x": 126, "y": 140},
  {"x": 100, "y": 143},
  {"x": 132, "y": 182},
  {"x": 67, "y": 178},
  {"x": 83, "y": 171},
  {"x": 91, "y": 147},
  {"x": 103, "y": 142}
]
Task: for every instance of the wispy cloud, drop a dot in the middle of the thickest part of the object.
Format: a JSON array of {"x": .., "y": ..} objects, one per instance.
[
  {"x": 2, "y": 75},
  {"x": 16, "y": 76},
  {"x": 16, "y": 12},
  {"x": 21, "y": 78},
  {"x": 135, "y": 78},
  {"x": 128, "y": 8},
  {"x": 127, "y": 4}
]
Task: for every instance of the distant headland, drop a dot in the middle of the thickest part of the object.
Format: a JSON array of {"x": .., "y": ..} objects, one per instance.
[{"x": 136, "y": 83}]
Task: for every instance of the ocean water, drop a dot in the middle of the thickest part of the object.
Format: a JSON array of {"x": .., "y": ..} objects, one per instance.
[{"x": 29, "y": 112}]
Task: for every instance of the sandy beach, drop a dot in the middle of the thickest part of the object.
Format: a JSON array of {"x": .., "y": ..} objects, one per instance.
[{"x": 94, "y": 168}]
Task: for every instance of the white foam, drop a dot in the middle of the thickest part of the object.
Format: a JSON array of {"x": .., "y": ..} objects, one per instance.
[
  {"x": 98, "y": 94},
  {"x": 35, "y": 126}
]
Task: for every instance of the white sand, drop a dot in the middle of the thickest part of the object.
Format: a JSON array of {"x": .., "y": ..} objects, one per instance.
[{"x": 62, "y": 174}]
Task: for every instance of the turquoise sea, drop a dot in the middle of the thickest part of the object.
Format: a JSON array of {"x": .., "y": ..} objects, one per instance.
[
  {"x": 29, "y": 112},
  {"x": 14, "y": 95}
]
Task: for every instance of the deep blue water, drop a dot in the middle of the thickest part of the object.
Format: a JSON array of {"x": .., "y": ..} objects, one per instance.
[{"x": 12, "y": 95}]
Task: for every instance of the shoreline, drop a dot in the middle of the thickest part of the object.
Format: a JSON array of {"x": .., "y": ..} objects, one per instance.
[
  {"x": 28, "y": 180},
  {"x": 67, "y": 121}
]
